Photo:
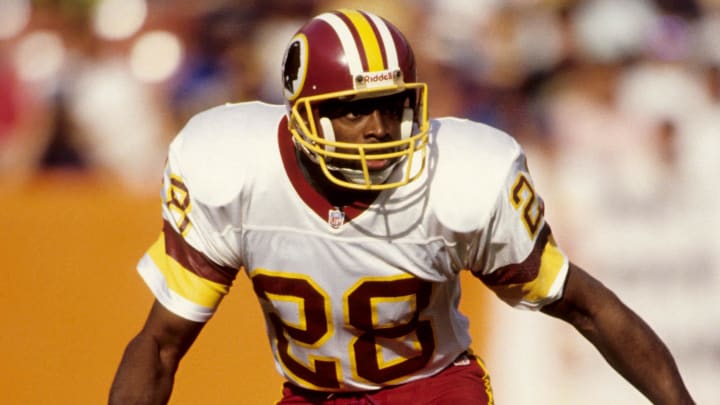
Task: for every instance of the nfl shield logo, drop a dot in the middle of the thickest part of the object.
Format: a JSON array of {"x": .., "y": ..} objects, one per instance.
[{"x": 336, "y": 217}]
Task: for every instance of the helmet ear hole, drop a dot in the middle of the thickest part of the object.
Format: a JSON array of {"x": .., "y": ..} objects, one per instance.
[
  {"x": 406, "y": 125},
  {"x": 328, "y": 133}
]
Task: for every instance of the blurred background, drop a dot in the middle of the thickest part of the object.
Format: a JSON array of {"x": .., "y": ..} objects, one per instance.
[{"x": 617, "y": 103}]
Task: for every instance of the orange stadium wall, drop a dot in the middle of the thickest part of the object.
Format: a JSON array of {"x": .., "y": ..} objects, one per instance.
[{"x": 71, "y": 301}]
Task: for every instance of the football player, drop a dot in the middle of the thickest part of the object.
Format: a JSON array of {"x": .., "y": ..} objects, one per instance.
[{"x": 353, "y": 215}]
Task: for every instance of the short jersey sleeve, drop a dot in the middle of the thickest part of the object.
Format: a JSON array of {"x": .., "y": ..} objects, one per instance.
[
  {"x": 519, "y": 259},
  {"x": 188, "y": 268}
]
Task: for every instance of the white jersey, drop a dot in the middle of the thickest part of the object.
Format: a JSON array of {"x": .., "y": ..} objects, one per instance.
[{"x": 354, "y": 297}]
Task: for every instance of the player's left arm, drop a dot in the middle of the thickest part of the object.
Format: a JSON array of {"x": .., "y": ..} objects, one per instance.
[{"x": 628, "y": 344}]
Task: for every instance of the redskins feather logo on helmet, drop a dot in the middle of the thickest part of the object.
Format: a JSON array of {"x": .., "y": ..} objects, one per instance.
[{"x": 348, "y": 55}]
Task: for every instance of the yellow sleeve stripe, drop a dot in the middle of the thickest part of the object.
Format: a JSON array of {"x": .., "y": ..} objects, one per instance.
[
  {"x": 184, "y": 282},
  {"x": 368, "y": 38},
  {"x": 536, "y": 280},
  {"x": 551, "y": 262}
]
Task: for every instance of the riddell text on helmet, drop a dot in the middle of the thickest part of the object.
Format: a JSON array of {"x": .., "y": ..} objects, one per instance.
[{"x": 376, "y": 79}]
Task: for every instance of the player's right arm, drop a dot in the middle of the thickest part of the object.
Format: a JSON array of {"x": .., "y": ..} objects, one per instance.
[
  {"x": 147, "y": 369},
  {"x": 189, "y": 269}
]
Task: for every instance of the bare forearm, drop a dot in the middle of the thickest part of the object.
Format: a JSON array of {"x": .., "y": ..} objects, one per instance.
[
  {"x": 628, "y": 344},
  {"x": 143, "y": 376},
  {"x": 631, "y": 347}
]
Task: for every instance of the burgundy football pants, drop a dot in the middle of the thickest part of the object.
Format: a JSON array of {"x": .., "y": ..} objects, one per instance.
[{"x": 464, "y": 382}]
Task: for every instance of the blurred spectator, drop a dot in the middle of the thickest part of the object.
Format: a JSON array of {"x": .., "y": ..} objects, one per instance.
[
  {"x": 218, "y": 67},
  {"x": 120, "y": 123},
  {"x": 9, "y": 100},
  {"x": 30, "y": 60}
]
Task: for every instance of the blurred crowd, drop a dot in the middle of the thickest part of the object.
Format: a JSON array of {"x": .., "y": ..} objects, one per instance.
[
  {"x": 617, "y": 103},
  {"x": 103, "y": 84}
]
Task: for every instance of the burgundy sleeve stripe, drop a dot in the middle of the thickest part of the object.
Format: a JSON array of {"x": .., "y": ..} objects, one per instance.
[
  {"x": 522, "y": 272},
  {"x": 193, "y": 260}
]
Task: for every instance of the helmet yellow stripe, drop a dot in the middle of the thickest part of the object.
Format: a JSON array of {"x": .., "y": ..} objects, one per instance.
[{"x": 369, "y": 39}]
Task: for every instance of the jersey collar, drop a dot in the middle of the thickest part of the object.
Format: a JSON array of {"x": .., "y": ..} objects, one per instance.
[{"x": 351, "y": 204}]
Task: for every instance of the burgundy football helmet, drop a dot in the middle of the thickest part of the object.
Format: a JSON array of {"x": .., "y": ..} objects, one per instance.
[{"x": 349, "y": 55}]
